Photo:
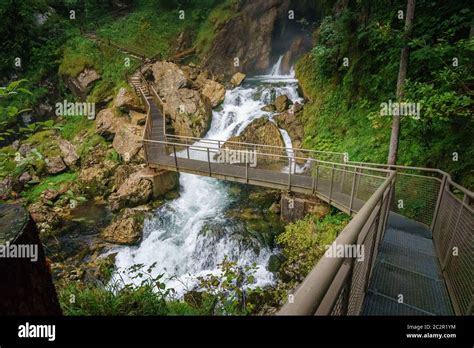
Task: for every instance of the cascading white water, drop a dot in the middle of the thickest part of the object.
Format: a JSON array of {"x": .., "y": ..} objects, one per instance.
[{"x": 189, "y": 236}]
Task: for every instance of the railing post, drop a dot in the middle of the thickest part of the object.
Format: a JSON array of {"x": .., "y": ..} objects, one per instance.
[
  {"x": 247, "y": 171},
  {"x": 175, "y": 158},
  {"x": 332, "y": 182},
  {"x": 353, "y": 190},
  {"x": 289, "y": 176},
  {"x": 209, "y": 161},
  {"x": 373, "y": 247},
  {"x": 313, "y": 177},
  {"x": 438, "y": 203},
  {"x": 187, "y": 148},
  {"x": 343, "y": 177}
]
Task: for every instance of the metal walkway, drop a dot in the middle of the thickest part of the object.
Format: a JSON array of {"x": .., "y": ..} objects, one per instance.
[
  {"x": 407, "y": 278},
  {"x": 407, "y": 270}
]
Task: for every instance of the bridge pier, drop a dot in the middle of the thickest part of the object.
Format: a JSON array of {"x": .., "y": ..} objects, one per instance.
[
  {"x": 295, "y": 206},
  {"x": 163, "y": 180}
]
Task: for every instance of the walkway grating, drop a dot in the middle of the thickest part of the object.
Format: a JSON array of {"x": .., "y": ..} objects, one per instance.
[{"x": 406, "y": 265}]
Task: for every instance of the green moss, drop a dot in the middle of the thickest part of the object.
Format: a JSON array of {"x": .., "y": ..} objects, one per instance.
[
  {"x": 208, "y": 30},
  {"x": 45, "y": 142},
  {"x": 54, "y": 182}
]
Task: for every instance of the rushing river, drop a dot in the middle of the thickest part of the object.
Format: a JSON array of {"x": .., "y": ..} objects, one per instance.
[{"x": 190, "y": 235}]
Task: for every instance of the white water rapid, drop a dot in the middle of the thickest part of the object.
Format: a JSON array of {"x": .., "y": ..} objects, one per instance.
[{"x": 190, "y": 235}]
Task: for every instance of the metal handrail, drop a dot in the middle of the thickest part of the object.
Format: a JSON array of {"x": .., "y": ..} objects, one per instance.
[
  {"x": 314, "y": 288},
  {"x": 215, "y": 141},
  {"x": 215, "y": 150}
]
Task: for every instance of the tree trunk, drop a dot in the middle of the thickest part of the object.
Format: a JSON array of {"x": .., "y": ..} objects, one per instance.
[{"x": 402, "y": 74}]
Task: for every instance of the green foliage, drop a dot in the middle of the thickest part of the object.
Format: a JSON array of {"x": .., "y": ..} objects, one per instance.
[
  {"x": 304, "y": 242},
  {"x": 230, "y": 291},
  {"x": 114, "y": 156},
  {"x": 53, "y": 182},
  {"x": 74, "y": 125},
  {"x": 208, "y": 30},
  {"x": 150, "y": 297},
  {"x": 344, "y": 109},
  {"x": 8, "y": 110}
]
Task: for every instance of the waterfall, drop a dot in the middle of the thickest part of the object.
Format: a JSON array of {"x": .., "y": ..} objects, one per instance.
[{"x": 190, "y": 235}]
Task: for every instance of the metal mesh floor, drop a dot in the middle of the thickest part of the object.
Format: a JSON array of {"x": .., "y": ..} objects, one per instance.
[
  {"x": 378, "y": 304},
  {"x": 406, "y": 266}
]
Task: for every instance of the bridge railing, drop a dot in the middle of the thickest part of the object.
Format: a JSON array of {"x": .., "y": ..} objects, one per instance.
[
  {"x": 301, "y": 154},
  {"x": 346, "y": 186},
  {"x": 337, "y": 285},
  {"x": 431, "y": 197},
  {"x": 453, "y": 239}
]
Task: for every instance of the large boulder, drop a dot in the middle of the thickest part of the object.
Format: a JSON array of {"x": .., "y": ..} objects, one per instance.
[
  {"x": 81, "y": 84},
  {"x": 94, "y": 178},
  {"x": 261, "y": 131},
  {"x": 282, "y": 102},
  {"x": 126, "y": 229},
  {"x": 127, "y": 100},
  {"x": 122, "y": 172},
  {"x": 70, "y": 155},
  {"x": 55, "y": 165},
  {"x": 168, "y": 78},
  {"x": 108, "y": 123},
  {"x": 237, "y": 79},
  {"x": 134, "y": 191},
  {"x": 190, "y": 113},
  {"x": 214, "y": 91},
  {"x": 128, "y": 142}
]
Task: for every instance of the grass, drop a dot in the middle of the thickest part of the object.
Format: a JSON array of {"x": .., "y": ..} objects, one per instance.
[
  {"x": 93, "y": 300},
  {"x": 53, "y": 182}
]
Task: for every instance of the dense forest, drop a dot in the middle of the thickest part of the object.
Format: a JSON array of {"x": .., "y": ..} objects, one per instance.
[{"x": 72, "y": 173}]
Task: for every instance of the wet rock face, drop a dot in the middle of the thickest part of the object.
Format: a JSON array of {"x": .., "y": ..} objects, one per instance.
[
  {"x": 248, "y": 37},
  {"x": 282, "y": 102}
]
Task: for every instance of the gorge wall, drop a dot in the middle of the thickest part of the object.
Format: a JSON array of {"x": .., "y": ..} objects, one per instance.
[{"x": 261, "y": 31}]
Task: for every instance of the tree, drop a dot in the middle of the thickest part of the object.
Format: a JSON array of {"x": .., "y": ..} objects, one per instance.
[{"x": 402, "y": 73}]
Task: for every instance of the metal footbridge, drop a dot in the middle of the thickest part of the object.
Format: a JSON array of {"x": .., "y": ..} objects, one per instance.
[{"x": 415, "y": 224}]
